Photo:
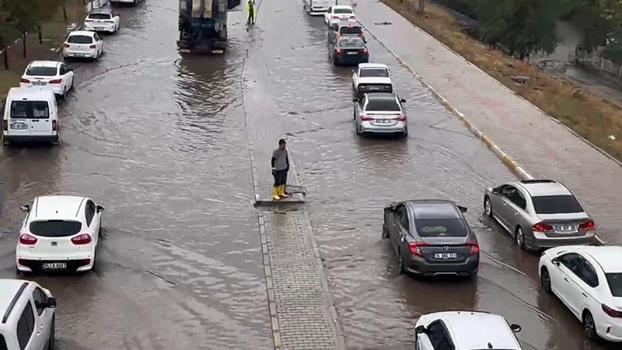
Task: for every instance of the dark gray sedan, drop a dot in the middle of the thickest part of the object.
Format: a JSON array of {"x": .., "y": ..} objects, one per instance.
[{"x": 431, "y": 238}]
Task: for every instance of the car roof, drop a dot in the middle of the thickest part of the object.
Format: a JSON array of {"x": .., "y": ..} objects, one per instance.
[
  {"x": 8, "y": 290},
  {"x": 29, "y": 93},
  {"x": 608, "y": 257},
  {"x": 342, "y": 7},
  {"x": 101, "y": 10},
  {"x": 381, "y": 96},
  {"x": 543, "y": 188},
  {"x": 433, "y": 209},
  {"x": 373, "y": 65},
  {"x": 44, "y": 64},
  {"x": 466, "y": 329},
  {"x": 82, "y": 32},
  {"x": 56, "y": 207}
]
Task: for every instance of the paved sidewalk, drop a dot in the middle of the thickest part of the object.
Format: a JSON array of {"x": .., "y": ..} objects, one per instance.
[
  {"x": 543, "y": 147},
  {"x": 301, "y": 310}
]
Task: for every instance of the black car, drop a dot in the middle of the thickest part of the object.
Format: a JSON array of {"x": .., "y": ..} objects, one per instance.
[
  {"x": 348, "y": 50},
  {"x": 431, "y": 238}
]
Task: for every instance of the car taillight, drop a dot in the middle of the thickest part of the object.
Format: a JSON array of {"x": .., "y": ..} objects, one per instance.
[
  {"x": 93, "y": 46},
  {"x": 587, "y": 226},
  {"x": 365, "y": 51},
  {"x": 338, "y": 51},
  {"x": 542, "y": 227},
  {"x": 612, "y": 312},
  {"x": 352, "y": 17},
  {"x": 415, "y": 248},
  {"x": 366, "y": 118},
  {"x": 401, "y": 118},
  {"x": 54, "y": 125},
  {"x": 24, "y": 80},
  {"x": 82, "y": 239},
  {"x": 66, "y": 45},
  {"x": 27, "y": 239},
  {"x": 474, "y": 249},
  {"x": 335, "y": 17},
  {"x": 55, "y": 81}
]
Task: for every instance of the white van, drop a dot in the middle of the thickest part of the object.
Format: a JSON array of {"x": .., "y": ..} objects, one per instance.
[
  {"x": 318, "y": 7},
  {"x": 30, "y": 114}
]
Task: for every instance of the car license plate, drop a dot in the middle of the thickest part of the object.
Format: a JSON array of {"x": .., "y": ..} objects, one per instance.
[
  {"x": 374, "y": 88},
  {"x": 352, "y": 52},
  {"x": 99, "y": 28},
  {"x": 38, "y": 83},
  {"x": 565, "y": 228},
  {"x": 445, "y": 256},
  {"x": 54, "y": 266},
  {"x": 19, "y": 126}
]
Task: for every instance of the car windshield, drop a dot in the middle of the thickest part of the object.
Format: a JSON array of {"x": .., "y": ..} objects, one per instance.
[
  {"x": 615, "y": 283},
  {"x": 41, "y": 71},
  {"x": 80, "y": 39},
  {"x": 2, "y": 343},
  {"x": 556, "y": 204},
  {"x": 30, "y": 109},
  {"x": 351, "y": 30},
  {"x": 342, "y": 11},
  {"x": 99, "y": 16},
  {"x": 383, "y": 104},
  {"x": 374, "y": 72},
  {"x": 441, "y": 228},
  {"x": 352, "y": 43},
  {"x": 55, "y": 228}
]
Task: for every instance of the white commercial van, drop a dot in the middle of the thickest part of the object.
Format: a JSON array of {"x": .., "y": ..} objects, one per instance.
[
  {"x": 30, "y": 114},
  {"x": 318, "y": 7}
]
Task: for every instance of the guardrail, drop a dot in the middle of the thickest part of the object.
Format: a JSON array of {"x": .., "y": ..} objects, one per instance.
[{"x": 594, "y": 61}]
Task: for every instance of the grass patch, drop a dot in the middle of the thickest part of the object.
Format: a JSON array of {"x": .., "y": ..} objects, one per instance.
[{"x": 587, "y": 114}]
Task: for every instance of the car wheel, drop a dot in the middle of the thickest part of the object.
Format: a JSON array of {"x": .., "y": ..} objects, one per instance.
[
  {"x": 487, "y": 206},
  {"x": 405, "y": 133},
  {"x": 71, "y": 87},
  {"x": 358, "y": 130},
  {"x": 64, "y": 96},
  {"x": 400, "y": 262},
  {"x": 519, "y": 238},
  {"x": 545, "y": 280},
  {"x": 589, "y": 328},
  {"x": 52, "y": 339},
  {"x": 385, "y": 232}
]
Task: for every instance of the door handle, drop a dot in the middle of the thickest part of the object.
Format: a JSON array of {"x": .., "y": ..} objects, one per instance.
[
  {"x": 516, "y": 214},
  {"x": 565, "y": 279},
  {"x": 585, "y": 295}
]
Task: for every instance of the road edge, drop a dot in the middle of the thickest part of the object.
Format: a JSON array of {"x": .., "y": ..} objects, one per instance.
[{"x": 507, "y": 160}]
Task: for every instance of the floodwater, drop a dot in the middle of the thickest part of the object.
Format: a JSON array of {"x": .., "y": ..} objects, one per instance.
[{"x": 160, "y": 141}]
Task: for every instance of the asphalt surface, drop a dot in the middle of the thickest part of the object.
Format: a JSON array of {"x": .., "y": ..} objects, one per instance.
[{"x": 160, "y": 141}]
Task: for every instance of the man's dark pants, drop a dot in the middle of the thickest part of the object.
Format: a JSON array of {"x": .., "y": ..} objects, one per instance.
[{"x": 280, "y": 177}]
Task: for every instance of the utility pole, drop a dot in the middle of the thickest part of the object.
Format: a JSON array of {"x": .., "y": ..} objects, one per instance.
[{"x": 421, "y": 8}]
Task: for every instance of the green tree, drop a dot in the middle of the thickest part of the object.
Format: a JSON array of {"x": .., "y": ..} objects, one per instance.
[{"x": 520, "y": 26}]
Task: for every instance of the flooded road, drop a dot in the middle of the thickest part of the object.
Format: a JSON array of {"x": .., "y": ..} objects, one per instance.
[{"x": 160, "y": 141}]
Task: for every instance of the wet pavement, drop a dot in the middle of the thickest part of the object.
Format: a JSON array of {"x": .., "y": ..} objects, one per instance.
[{"x": 161, "y": 142}]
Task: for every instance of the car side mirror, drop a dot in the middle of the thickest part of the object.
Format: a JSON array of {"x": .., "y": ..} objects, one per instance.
[
  {"x": 555, "y": 262},
  {"x": 100, "y": 208},
  {"x": 420, "y": 330},
  {"x": 50, "y": 303},
  {"x": 515, "y": 328},
  {"x": 463, "y": 209},
  {"x": 355, "y": 100},
  {"x": 25, "y": 207},
  {"x": 402, "y": 100}
]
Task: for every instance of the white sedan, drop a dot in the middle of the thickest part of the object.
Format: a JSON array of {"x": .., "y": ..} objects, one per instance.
[
  {"x": 337, "y": 14},
  {"x": 102, "y": 21},
  {"x": 83, "y": 44},
  {"x": 588, "y": 280},
  {"x": 371, "y": 77},
  {"x": 59, "y": 233},
  {"x": 55, "y": 75}
]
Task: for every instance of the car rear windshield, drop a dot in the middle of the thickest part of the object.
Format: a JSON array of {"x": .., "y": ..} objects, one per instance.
[
  {"x": 440, "y": 228},
  {"x": 342, "y": 11},
  {"x": 352, "y": 43},
  {"x": 556, "y": 204},
  {"x": 382, "y": 104},
  {"x": 2, "y": 343},
  {"x": 99, "y": 16},
  {"x": 30, "y": 110},
  {"x": 80, "y": 39},
  {"x": 615, "y": 283},
  {"x": 351, "y": 30},
  {"x": 374, "y": 72},
  {"x": 41, "y": 71},
  {"x": 55, "y": 228}
]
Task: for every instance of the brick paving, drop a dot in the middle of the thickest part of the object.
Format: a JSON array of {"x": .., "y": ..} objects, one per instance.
[{"x": 301, "y": 308}]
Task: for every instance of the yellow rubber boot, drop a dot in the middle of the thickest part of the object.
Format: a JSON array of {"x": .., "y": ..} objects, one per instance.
[
  {"x": 275, "y": 193},
  {"x": 282, "y": 192}
]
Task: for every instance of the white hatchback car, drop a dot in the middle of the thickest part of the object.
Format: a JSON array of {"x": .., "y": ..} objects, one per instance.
[
  {"x": 102, "y": 21},
  {"x": 588, "y": 280},
  {"x": 465, "y": 330},
  {"x": 83, "y": 44},
  {"x": 59, "y": 233},
  {"x": 338, "y": 14},
  {"x": 27, "y": 311},
  {"x": 55, "y": 75}
]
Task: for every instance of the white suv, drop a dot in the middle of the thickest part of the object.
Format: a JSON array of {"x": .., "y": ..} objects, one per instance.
[
  {"x": 27, "y": 312},
  {"x": 59, "y": 233},
  {"x": 462, "y": 330}
]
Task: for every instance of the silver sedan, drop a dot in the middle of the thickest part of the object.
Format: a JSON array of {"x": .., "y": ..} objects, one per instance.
[
  {"x": 380, "y": 113},
  {"x": 539, "y": 214}
]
